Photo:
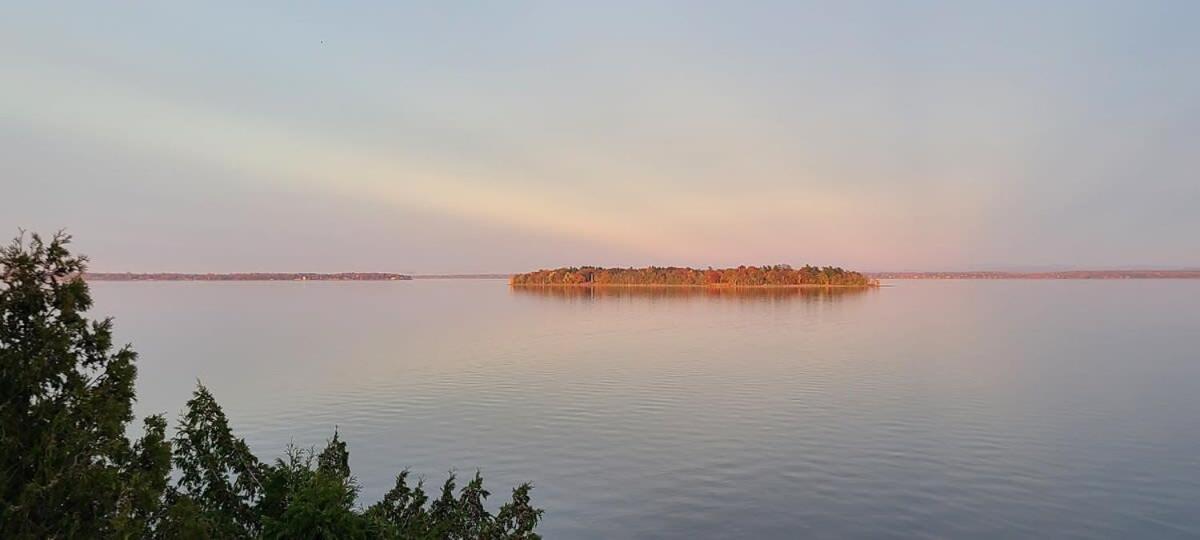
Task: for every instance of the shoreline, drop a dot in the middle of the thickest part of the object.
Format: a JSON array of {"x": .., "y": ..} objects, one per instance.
[
  {"x": 246, "y": 276},
  {"x": 1060, "y": 275}
]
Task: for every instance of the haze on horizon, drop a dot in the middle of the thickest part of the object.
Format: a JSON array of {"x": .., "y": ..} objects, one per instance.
[{"x": 510, "y": 136}]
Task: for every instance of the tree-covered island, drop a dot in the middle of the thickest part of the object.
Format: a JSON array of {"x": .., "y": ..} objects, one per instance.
[{"x": 780, "y": 275}]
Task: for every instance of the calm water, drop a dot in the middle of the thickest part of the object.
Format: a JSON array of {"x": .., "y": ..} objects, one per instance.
[{"x": 925, "y": 409}]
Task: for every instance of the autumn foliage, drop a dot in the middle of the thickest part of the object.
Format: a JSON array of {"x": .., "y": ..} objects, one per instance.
[{"x": 780, "y": 275}]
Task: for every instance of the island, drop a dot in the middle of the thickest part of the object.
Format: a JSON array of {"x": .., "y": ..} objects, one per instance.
[
  {"x": 780, "y": 275},
  {"x": 247, "y": 276}
]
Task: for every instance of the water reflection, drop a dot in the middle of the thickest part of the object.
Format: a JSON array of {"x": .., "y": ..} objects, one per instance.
[
  {"x": 929, "y": 409},
  {"x": 739, "y": 294}
]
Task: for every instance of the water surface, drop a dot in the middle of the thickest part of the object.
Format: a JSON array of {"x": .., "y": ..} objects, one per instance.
[{"x": 987, "y": 409}]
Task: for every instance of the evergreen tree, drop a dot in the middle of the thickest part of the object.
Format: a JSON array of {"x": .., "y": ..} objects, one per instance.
[
  {"x": 66, "y": 466},
  {"x": 67, "y": 469}
]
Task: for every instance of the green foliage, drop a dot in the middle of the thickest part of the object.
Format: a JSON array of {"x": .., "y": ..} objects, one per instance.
[
  {"x": 780, "y": 275},
  {"x": 303, "y": 501},
  {"x": 402, "y": 513},
  {"x": 219, "y": 479},
  {"x": 67, "y": 468}
]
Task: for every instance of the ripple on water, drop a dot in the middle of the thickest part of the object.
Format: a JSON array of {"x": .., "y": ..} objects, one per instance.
[{"x": 924, "y": 410}]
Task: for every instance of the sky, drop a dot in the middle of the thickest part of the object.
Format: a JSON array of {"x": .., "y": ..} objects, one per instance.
[{"x": 507, "y": 136}]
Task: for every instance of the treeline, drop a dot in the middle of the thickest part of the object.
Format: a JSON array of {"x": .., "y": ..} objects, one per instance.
[
  {"x": 69, "y": 470},
  {"x": 743, "y": 276},
  {"x": 737, "y": 294}
]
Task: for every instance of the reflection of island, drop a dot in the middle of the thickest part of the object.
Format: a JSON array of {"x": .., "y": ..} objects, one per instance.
[
  {"x": 750, "y": 294},
  {"x": 780, "y": 275}
]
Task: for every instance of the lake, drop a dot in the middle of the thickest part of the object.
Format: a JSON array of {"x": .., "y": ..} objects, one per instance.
[{"x": 923, "y": 409}]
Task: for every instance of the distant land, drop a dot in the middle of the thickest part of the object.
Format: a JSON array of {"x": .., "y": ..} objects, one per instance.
[
  {"x": 1063, "y": 274},
  {"x": 780, "y": 275},
  {"x": 248, "y": 276},
  {"x": 461, "y": 276}
]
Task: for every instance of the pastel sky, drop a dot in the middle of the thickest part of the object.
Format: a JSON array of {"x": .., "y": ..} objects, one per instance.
[{"x": 504, "y": 136}]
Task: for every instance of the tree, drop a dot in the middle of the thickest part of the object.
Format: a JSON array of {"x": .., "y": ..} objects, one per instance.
[
  {"x": 68, "y": 470},
  {"x": 66, "y": 466},
  {"x": 742, "y": 276},
  {"x": 220, "y": 481}
]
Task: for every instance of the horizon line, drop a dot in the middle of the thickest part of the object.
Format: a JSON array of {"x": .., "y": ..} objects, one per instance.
[{"x": 1094, "y": 273}]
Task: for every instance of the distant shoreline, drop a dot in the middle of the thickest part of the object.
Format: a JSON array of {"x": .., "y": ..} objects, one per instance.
[
  {"x": 278, "y": 276},
  {"x": 247, "y": 276},
  {"x": 1067, "y": 274},
  {"x": 461, "y": 276}
]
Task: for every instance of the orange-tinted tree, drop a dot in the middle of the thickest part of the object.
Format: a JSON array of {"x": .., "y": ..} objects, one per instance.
[{"x": 780, "y": 275}]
